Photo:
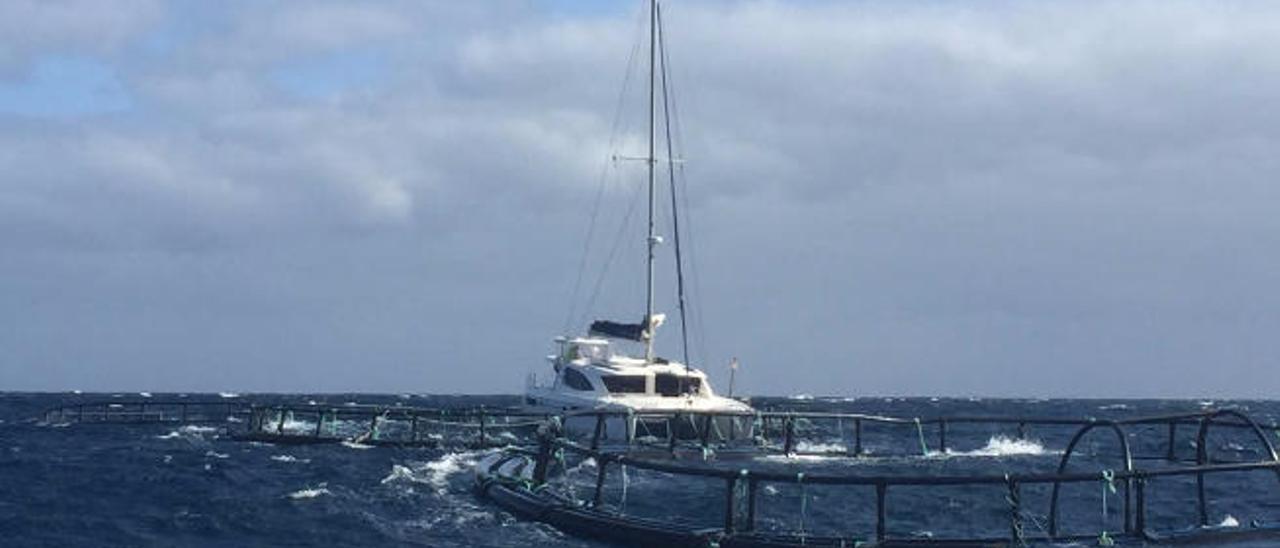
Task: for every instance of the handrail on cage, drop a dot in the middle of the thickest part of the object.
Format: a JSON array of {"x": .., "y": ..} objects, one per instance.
[{"x": 741, "y": 484}]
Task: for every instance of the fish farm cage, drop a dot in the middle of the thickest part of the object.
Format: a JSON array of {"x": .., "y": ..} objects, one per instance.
[
  {"x": 312, "y": 424},
  {"x": 808, "y": 478},
  {"x": 718, "y": 466}
]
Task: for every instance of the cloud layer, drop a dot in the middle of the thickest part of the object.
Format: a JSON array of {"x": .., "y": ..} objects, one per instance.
[{"x": 929, "y": 198}]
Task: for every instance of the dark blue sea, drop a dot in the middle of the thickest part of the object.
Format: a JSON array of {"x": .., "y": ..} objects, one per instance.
[{"x": 191, "y": 485}]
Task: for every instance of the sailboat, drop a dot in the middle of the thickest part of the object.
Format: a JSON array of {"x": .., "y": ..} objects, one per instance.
[{"x": 591, "y": 371}]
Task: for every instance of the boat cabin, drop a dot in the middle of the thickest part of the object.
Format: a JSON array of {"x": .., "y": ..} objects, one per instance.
[{"x": 589, "y": 366}]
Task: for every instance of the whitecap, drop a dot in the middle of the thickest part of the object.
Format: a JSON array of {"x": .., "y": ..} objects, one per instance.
[
  {"x": 436, "y": 473},
  {"x": 1004, "y": 446},
  {"x": 799, "y": 458},
  {"x": 228, "y": 395},
  {"x": 145, "y": 394},
  {"x": 400, "y": 472},
  {"x": 190, "y": 430},
  {"x": 1113, "y": 406},
  {"x": 817, "y": 447},
  {"x": 1229, "y": 521},
  {"x": 216, "y": 455},
  {"x": 355, "y": 445},
  {"x": 441, "y": 469},
  {"x": 289, "y": 458},
  {"x": 308, "y": 493}
]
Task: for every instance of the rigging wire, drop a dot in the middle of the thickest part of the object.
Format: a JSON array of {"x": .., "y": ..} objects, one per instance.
[
  {"x": 613, "y": 251},
  {"x": 603, "y": 180},
  {"x": 693, "y": 292},
  {"x": 675, "y": 215}
]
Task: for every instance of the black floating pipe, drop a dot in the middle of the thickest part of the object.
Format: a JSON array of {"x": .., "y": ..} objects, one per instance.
[
  {"x": 730, "y": 501},
  {"x": 601, "y": 467},
  {"x": 789, "y": 442},
  {"x": 599, "y": 430},
  {"x": 881, "y": 511}
]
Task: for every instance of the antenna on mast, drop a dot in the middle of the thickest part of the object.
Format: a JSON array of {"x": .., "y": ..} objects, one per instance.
[{"x": 653, "y": 238}]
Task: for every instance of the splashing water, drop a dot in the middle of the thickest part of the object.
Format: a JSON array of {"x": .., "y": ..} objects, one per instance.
[
  {"x": 309, "y": 493},
  {"x": 1004, "y": 446}
]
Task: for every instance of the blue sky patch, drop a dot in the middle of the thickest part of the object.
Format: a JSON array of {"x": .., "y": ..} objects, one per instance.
[{"x": 65, "y": 87}]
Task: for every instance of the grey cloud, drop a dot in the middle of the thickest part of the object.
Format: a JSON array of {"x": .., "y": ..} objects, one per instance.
[{"x": 999, "y": 198}]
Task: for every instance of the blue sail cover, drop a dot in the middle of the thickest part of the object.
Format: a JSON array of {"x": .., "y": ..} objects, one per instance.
[{"x": 616, "y": 330}]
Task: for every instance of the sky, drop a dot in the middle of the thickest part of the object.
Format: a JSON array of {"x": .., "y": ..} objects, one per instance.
[{"x": 928, "y": 198}]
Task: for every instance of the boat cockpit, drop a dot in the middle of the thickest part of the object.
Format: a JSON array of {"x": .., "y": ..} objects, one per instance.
[{"x": 588, "y": 365}]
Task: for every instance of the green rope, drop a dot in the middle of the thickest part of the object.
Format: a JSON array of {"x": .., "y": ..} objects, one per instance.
[
  {"x": 573, "y": 494},
  {"x": 1108, "y": 484},
  {"x": 924, "y": 448}
]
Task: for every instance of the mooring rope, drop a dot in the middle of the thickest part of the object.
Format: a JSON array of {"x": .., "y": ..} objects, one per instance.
[
  {"x": 622, "y": 505},
  {"x": 924, "y": 448},
  {"x": 573, "y": 493},
  {"x": 1015, "y": 505},
  {"x": 804, "y": 506},
  {"x": 1108, "y": 484}
]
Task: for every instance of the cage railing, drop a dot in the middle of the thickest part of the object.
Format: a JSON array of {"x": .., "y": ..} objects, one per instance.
[{"x": 1136, "y": 482}]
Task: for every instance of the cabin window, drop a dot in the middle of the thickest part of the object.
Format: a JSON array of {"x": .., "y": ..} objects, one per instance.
[
  {"x": 592, "y": 351},
  {"x": 625, "y": 384},
  {"x": 576, "y": 380},
  {"x": 670, "y": 385}
]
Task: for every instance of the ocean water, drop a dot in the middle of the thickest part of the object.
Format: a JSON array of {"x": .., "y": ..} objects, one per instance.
[{"x": 190, "y": 485}]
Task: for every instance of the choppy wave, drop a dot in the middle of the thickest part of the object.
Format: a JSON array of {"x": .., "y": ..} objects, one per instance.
[
  {"x": 436, "y": 473},
  {"x": 819, "y": 447},
  {"x": 309, "y": 493},
  {"x": 289, "y": 458},
  {"x": 189, "y": 431},
  {"x": 1004, "y": 446}
]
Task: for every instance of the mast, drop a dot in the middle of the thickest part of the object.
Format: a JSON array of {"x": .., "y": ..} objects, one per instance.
[{"x": 653, "y": 238}]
